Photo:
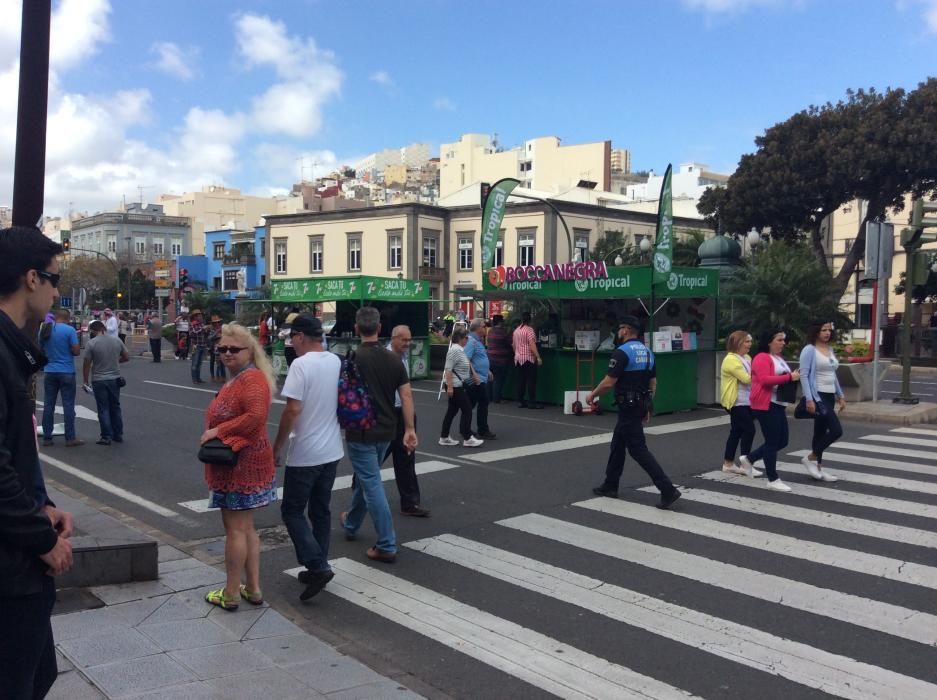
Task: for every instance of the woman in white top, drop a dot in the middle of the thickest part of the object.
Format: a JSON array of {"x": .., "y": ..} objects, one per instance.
[
  {"x": 459, "y": 374},
  {"x": 823, "y": 394}
]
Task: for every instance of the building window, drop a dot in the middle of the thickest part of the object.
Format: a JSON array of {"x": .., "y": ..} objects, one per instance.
[
  {"x": 847, "y": 245},
  {"x": 525, "y": 247},
  {"x": 581, "y": 239},
  {"x": 466, "y": 253},
  {"x": 394, "y": 250},
  {"x": 263, "y": 247},
  {"x": 159, "y": 248},
  {"x": 139, "y": 246},
  {"x": 230, "y": 280},
  {"x": 216, "y": 284},
  {"x": 316, "y": 246},
  {"x": 111, "y": 245},
  {"x": 499, "y": 251},
  {"x": 279, "y": 253},
  {"x": 430, "y": 251},
  {"x": 354, "y": 253},
  {"x": 218, "y": 251},
  {"x": 176, "y": 247}
]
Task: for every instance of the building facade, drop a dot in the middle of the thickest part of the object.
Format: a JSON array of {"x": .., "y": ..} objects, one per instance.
[
  {"x": 143, "y": 233},
  {"x": 690, "y": 180},
  {"x": 229, "y": 251}
]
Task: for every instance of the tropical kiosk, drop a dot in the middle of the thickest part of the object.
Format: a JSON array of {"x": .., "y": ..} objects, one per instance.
[
  {"x": 400, "y": 301},
  {"x": 585, "y": 299}
]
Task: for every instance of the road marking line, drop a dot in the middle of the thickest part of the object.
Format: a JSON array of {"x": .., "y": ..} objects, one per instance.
[
  {"x": 882, "y": 617},
  {"x": 915, "y": 431},
  {"x": 833, "y": 493},
  {"x": 341, "y": 482},
  {"x": 879, "y": 449},
  {"x": 534, "y": 658},
  {"x": 80, "y": 411},
  {"x": 834, "y": 521},
  {"x": 915, "y": 382},
  {"x": 762, "y": 540},
  {"x": 686, "y": 425},
  {"x": 851, "y": 477},
  {"x": 195, "y": 388},
  {"x": 901, "y": 440},
  {"x": 798, "y": 662},
  {"x": 873, "y": 462},
  {"x": 111, "y": 488}
]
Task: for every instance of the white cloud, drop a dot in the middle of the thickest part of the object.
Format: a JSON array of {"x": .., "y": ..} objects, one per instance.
[
  {"x": 78, "y": 29},
  {"x": 444, "y": 104},
  {"x": 382, "y": 77},
  {"x": 174, "y": 60},
  {"x": 308, "y": 76},
  {"x": 930, "y": 16},
  {"x": 728, "y": 6},
  {"x": 283, "y": 163}
]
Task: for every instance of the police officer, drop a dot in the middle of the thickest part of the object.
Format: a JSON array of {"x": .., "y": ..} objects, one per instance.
[{"x": 632, "y": 373}]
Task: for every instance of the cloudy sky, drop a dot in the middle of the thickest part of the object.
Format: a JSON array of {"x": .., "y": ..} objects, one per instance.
[{"x": 170, "y": 95}]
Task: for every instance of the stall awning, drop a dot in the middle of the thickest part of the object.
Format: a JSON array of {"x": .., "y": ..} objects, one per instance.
[{"x": 358, "y": 288}]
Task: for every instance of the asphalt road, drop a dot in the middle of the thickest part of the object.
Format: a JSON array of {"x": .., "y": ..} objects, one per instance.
[{"x": 523, "y": 584}]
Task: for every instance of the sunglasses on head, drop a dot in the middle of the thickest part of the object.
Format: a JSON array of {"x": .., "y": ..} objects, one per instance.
[
  {"x": 52, "y": 278},
  {"x": 229, "y": 349}
]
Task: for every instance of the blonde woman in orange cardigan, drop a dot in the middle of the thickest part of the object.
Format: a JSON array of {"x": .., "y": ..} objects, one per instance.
[{"x": 238, "y": 417}]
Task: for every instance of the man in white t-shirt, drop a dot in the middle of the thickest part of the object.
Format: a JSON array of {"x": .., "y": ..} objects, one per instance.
[
  {"x": 310, "y": 425},
  {"x": 111, "y": 324}
]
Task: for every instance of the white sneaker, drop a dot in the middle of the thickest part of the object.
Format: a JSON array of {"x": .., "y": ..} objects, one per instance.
[
  {"x": 826, "y": 476},
  {"x": 778, "y": 485},
  {"x": 473, "y": 442},
  {"x": 448, "y": 442},
  {"x": 732, "y": 469},
  {"x": 748, "y": 469},
  {"x": 811, "y": 467}
]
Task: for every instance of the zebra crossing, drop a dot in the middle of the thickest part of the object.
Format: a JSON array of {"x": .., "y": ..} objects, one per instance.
[{"x": 738, "y": 592}]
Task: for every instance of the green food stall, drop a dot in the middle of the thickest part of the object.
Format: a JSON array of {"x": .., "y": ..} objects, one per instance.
[
  {"x": 585, "y": 301},
  {"x": 400, "y": 301}
]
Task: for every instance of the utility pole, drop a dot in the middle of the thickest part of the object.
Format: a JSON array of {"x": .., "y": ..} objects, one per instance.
[{"x": 911, "y": 240}]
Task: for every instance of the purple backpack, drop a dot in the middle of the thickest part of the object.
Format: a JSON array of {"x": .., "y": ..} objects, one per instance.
[{"x": 355, "y": 407}]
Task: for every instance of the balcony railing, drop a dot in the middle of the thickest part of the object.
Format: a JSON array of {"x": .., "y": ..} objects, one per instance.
[
  {"x": 239, "y": 260},
  {"x": 432, "y": 274}
]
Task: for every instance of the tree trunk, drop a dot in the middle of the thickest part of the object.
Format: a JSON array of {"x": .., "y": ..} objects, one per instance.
[{"x": 818, "y": 247}]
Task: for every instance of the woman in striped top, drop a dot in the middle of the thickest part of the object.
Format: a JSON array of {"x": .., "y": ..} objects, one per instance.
[{"x": 459, "y": 374}]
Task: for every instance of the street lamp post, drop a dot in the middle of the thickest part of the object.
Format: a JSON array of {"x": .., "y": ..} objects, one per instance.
[{"x": 645, "y": 248}]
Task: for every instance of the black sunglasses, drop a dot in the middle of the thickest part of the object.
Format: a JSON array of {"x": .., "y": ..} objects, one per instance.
[
  {"x": 52, "y": 277},
  {"x": 229, "y": 350}
]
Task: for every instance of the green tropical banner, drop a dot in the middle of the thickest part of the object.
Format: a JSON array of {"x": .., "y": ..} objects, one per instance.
[
  {"x": 493, "y": 206},
  {"x": 663, "y": 249}
]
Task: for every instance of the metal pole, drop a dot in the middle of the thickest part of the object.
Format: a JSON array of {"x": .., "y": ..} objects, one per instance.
[
  {"x": 32, "y": 110},
  {"x": 874, "y": 338},
  {"x": 905, "y": 396}
]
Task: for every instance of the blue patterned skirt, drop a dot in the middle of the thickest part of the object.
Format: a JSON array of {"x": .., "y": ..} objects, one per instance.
[{"x": 235, "y": 500}]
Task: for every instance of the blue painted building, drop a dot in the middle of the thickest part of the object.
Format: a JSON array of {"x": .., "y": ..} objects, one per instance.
[{"x": 227, "y": 251}]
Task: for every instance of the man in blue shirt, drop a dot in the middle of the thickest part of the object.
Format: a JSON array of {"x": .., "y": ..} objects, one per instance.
[
  {"x": 478, "y": 392},
  {"x": 61, "y": 347}
]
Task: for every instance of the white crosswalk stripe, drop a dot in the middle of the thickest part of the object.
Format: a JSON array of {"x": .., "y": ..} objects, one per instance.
[
  {"x": 835, "y": 493},
  {"x": 853, "y": 477},
  {"x": 859, "y": 460},
  {"x": 809, "y": 666},
  {"x": 915, "y": 431},
  {"x": 883, "y": 450},
  {"x": 541, "y": 661},
  {"x": 901, "y": 440}
]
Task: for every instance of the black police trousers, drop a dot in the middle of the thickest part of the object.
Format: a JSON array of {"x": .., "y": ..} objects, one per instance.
[{"x": 629, "y": 438}]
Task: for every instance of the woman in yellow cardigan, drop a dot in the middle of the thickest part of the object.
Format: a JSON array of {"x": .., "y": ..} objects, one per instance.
[{"x": 736, "y": 376}]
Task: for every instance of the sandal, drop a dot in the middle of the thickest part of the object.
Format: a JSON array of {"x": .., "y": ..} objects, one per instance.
[
  {"x": 218, "y": 598},
  {"x": 256, "y": 598}
]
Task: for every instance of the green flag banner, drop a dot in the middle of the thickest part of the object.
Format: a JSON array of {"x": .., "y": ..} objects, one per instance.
[
  {"x": 663, "y": 249},
  {"x": 493, "y": 212}
]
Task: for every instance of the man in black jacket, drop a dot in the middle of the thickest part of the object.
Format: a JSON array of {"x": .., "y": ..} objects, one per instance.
[{"x": 34, "y": 534}]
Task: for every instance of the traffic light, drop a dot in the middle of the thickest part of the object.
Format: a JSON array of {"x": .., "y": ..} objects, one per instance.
[
  {"x": 66, "y": 245},
  {"x": 120, "y": 295},
  {"x": 921, "y": 221}
]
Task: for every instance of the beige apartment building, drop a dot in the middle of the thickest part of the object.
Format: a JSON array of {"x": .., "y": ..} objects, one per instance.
[
  {"x": 214, "y": 207},
  {"x": 442, "y": 245},
  {"x": 540, "y": 164}
]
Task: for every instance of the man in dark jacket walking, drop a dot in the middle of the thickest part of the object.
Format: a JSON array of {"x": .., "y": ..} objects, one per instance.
[{"x": 34, "y": 534}]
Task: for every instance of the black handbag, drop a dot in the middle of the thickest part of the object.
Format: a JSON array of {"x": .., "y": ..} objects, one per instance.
[
  {"x": 801, "y": 413},
  {"x": 216, "y": 452},
  {"x": 787, "y": 392}
]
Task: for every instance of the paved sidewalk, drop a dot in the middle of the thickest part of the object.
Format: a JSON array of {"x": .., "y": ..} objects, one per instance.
[{"x": 161, "y": 640}]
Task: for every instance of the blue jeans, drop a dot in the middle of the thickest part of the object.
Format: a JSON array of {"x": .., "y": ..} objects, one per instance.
[
  {"x": 107, "y": 397},
  {"x": 309, "y": 488},
  {"x": 368, "y": 495},
  {"x": 773, "y": 424},
  {"x": 53, "y": 383},
  {"x": 197, "y": 353}
]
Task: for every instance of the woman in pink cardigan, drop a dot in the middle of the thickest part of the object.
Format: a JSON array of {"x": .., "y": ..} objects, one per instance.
[{"x": 768, "y": 371}]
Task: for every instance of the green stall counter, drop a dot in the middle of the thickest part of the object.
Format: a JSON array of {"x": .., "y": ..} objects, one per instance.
[{"x": 676, "y": 378}]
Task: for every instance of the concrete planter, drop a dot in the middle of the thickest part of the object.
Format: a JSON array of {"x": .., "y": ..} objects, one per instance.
[{"x": 857, "y": 379}]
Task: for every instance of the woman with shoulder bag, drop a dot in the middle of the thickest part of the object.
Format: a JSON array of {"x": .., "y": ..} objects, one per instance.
[
  {"x": 238, "y": 417},
  {"x": 458, "y": 372},
  {"x": 769, "y": 371},
  {"x": 822, "y": 394},
  {"x": 736, "y": 386}
]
